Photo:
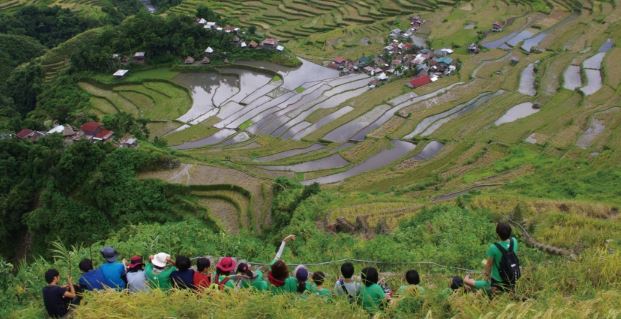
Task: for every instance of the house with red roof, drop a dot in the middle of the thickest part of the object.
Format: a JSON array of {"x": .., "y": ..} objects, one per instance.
[
  {"x": 29, "y": 135},
  {"x": 95, "y": 131},
  {"x": 419, "y": 81},
  {"x": 269, "y": 43}
]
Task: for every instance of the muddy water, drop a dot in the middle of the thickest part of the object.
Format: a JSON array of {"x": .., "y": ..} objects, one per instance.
[
  {"x": 571, "y": 78},
  {"x": 334, "y": 161},
  {"x": 495, "y": 44},
  {"x": 606, "y": 46},
  {"x": 290, "y": 153},
  {"x": 249, "y": 82},
  {"x": 430, "y": 124},
  {"x": 295, "y": 77},
  {"x": 587, "y": 138},
  {"x": 523, "y": 35},
  {"x": 202, "y": 87},
  {"x": 239, "y": 138},
  {"x": 402, "y": 98},
  {"x": 348, "y": 87},
  {"x": 211, "y": 140},
  {"x": 594, "y": 82},
  {"x": 429, "y": 151},
  {"x": 323, "y": 122},
  {"x": 361, "y": 135},
  {"x": 348, "y": 78},
  {"x": 345, "y": 132},
  {"x": 235, "y": 122},
  {"x": 517, "y": 112},
  {"x": 534, "y": 41},
  {"x": 594, "y": 62},
  {"x": 527, "y": 81},
  {"x": 382, "y": 159}
]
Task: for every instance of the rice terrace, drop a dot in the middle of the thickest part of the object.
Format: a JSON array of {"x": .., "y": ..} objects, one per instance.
[{"x": 393, "y": 136}]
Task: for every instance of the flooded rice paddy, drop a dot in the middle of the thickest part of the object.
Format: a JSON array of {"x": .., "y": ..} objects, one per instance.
[{"x": 517, "y": 112}]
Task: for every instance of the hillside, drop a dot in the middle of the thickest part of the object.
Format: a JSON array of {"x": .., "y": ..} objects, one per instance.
[{"x": 391, "y": 133}]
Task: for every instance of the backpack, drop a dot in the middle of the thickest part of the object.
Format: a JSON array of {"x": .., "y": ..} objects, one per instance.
[
  {"x": 509, "y": 265},
  {"x": 350, "y": 297}
]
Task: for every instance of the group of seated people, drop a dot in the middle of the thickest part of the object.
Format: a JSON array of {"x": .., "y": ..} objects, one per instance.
[{"x": 161, "y": 272}]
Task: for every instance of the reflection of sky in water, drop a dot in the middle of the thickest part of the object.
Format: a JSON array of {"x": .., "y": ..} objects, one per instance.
[
  {"x": 203, "y": 87},
  {"x": 517, "y": 112}
]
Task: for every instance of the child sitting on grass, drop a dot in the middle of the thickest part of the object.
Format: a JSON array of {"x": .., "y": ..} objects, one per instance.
[{"x": 319, "y": 278}]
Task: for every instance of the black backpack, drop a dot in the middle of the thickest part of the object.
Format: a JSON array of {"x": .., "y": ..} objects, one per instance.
[{"x": 509, "y": 265}]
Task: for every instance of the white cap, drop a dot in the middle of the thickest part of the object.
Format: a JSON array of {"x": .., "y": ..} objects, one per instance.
[{"x": 160, "y": 260}]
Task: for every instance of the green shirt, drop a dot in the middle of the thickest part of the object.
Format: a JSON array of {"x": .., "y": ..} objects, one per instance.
[
  {"x": 323, "y": 292},
  {"x": 483, "y": 285},
  {"x": 291, "y": 285},
  {"x": 494, "y": 253},
  {"x": 229, "y": 284},
  {"x": 371, "y": 297},
  {"x": 410, "y": 290},
  {"x": 257, "y": 283},
  {"x": 159, "y": 279}
]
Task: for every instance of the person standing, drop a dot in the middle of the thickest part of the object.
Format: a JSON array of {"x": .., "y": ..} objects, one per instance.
[
  {"x": 502, "y": 268},
  {"x": 56, "y": 298}
]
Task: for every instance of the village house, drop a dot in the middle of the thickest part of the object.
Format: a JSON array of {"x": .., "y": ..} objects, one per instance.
[
  {"x": 269, "y": 43},
  {"x": 205, "y": 60},
  {"x": 29, "y": 135},
  {"x": 201, "y": 21},
  {"x": 189, "y": 60},
  {"x": 419, "y": 81},
  {"x": 139, "y": 57},
  {"x": 119, "y": 74},
  {"x": 496, "y": 27},
  {"x": 473, "y": 48},
  {"x": 280, "y": 48},
  {"x": 128, "y": 142},
  {"x": 209, "y": 50},
  {"x": 253, "y": 44},
  {"x": 95, "y": 131},
  {"x": 243, "y": 44}
]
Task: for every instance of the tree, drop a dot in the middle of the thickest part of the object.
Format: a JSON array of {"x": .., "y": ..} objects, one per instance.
[{"x": 23, "y": 86}]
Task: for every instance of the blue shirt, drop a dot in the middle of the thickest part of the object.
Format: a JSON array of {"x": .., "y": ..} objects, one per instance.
[
  {"x": 92, "y": 280},
  {"x": 113, "y": 273},
  {"x": 183, "y": 278}
]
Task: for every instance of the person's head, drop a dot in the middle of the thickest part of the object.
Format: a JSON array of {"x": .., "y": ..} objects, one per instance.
[
  {"x": 244, "y": 269},
  {"x": 160, "y": 260},
  {"x": 183, "y": 263},
  {"x": 280, "y": 270},
  {"x": 52, "y": 276},
  {"x": 503, "y": 230},
  {"x": 135, "y": 264},
  {"x": 203, "y": 264},
  {"x": 369, "y": 276},
  {"x": 225, "y": 266},
  {"x": 456, "y": 283},
  {"x": 412, "y": 277},
  {"x": 301, "y": 274},
  {"x": 347, "y": 270},
  {"x": 85, "y": 265},
  {"x": 318, "y": 278},
  {"x": 109, "y": 254}
]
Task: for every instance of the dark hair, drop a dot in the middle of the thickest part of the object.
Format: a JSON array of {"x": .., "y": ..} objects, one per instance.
[
  {"x": 50, "y": 274},
  {"x": 318, "y": 278},
  {"x": 85, "y": 265},
  {"x": 183, "y": 263},
  {"x": 369, "y": 276},
  {"x": 456, "y": 283},
  {"x": 244, "y": 269},
  {"x": 280, "y": 270},
  {"x": 202, "y": 264},
  {"x": 347, "y": 270},
  {"x": 503, "y": 230},
  {"x": 412, "y": 277}
]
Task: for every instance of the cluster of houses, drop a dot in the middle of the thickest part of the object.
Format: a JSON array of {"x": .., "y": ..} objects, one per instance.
[
  {"x": 267, "y": 43},
  {"x": 92, "y": 131},
  {"x": 405, "y": 53}
]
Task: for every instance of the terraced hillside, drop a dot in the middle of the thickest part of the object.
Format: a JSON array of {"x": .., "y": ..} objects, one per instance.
[{"x": 544, "y": 85}]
